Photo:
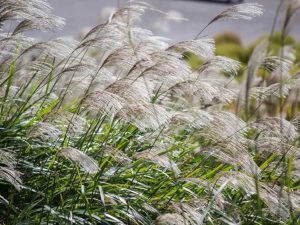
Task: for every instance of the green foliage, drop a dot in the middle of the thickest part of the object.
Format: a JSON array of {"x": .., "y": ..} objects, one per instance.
[
  {"x": 233, "y": 51},
  {"x": 193, "y": 60},
  {"x": 228, "y": 38}
]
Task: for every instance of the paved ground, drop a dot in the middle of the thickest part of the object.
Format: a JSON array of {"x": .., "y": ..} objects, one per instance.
[{"x": 83, "y": 13}]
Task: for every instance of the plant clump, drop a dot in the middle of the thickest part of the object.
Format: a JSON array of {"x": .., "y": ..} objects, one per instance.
[{"x": 118, "y": 128}]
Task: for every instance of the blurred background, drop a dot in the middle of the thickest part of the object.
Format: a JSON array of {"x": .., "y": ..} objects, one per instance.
[{"x": 182, "y": 21}]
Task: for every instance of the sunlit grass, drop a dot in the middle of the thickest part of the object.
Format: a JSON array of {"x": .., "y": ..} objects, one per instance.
[{"x": 121, "y": 128}]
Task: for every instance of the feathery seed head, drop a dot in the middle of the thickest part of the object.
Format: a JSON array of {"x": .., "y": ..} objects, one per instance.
[
  {"x": 88, "y": 164},
  {"x": 241, "y": 11}
]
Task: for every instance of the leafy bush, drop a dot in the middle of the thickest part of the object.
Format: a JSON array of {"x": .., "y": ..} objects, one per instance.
[{"x": 228, "y": 38}]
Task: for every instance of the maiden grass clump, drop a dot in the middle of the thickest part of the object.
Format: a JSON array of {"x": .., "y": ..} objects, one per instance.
[{"x": 117, "y": 128}]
